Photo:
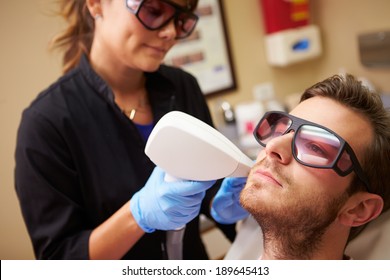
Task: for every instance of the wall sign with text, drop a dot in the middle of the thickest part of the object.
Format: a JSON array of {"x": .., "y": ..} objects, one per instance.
[{"x": 206, "y": 53}]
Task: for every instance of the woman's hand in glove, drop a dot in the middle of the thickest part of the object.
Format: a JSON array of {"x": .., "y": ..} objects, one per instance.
[
  {"x": 162, "y": 205},
  {"x": 226, "y": 208}
]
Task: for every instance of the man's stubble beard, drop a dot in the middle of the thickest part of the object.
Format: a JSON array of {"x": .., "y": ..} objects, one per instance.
[{"x": 295, "y": 230}]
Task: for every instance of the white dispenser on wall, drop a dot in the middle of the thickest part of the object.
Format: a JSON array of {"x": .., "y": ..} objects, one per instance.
[
  {"x": 293, "y": 45},
  {"x": 289, "y": 36}
]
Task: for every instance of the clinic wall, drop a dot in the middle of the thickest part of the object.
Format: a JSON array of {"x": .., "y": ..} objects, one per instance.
[
  {"x": 26, "y": 68},
  {"x": 340, "y": 22}
]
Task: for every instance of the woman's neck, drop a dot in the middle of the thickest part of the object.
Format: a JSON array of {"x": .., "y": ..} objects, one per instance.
[{"x": 128, "y": 86}]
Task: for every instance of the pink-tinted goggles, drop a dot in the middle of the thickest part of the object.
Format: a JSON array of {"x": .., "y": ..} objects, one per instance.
[
  {"x": 313, "y": 145},
  {"x": 154, "y": 14}
]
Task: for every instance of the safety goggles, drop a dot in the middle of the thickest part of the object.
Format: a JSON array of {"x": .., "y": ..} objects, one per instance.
[
  {"x": 313, "y": 145},
  {"x": 154, "y": 14}
]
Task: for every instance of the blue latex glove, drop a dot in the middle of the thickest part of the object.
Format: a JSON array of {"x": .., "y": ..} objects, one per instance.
[
  {"x": 226, "y": 208},
  {"x": 162, "y": 205}
]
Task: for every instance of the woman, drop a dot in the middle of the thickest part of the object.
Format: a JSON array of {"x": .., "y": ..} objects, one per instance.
[{"x": 80, "y": 148}]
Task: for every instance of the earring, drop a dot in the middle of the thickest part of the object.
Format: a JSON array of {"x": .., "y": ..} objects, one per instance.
[{"x": 97, "y": 16}]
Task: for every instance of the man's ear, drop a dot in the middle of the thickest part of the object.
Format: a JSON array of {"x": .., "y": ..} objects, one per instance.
[
  {"x": 94, "y": 7},
  {"x": 360, "y": 209}
]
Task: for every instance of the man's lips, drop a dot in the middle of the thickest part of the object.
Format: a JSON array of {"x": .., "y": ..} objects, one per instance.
[{"x": 265, "y": 175}]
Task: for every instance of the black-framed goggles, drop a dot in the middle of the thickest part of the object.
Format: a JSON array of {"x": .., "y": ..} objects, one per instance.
[
  {"x": 154, "y": 14},
  {"x": 313, "y": 145}
]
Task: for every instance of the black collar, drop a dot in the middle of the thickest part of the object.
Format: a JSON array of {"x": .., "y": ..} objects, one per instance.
[{"x": 161, "y": 91}]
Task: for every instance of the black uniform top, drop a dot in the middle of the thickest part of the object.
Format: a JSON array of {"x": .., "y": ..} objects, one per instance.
[{"x": 79, "y": 159}]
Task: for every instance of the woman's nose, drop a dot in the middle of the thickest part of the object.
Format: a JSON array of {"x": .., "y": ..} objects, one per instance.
[
  {"x": 280, "y": 147},
  {"x": 168, "y": 32}
]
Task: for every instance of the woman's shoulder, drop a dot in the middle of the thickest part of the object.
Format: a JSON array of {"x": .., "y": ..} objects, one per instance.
[
  {"x": 59, "y": 86},
  {"x": 174, "y": 73},
  {"x": 51, "y": 101}
]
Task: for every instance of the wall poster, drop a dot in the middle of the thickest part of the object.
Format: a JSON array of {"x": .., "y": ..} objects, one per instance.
[{"x": 206, "y": 52}]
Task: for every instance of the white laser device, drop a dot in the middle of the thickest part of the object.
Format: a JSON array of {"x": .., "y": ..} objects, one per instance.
[{"x": 189, "y": 149}]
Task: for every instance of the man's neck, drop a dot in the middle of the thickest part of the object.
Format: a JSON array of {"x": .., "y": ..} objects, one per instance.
[
  {"x": 271, "y": 255},
  {"x": 283, "y": 247}
]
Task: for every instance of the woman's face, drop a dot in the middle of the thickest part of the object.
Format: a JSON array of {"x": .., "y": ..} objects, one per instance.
[{"x": 120, "y": 39}]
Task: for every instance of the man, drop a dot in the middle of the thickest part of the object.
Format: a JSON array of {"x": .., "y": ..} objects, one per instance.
[{"x": 322, "y": 175}]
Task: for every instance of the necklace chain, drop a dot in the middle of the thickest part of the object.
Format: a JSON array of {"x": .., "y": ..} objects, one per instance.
[{"x": 142, "y": 103}]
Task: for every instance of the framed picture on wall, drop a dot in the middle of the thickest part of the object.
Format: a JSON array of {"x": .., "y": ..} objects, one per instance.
[{"x": 206, "y": 53}]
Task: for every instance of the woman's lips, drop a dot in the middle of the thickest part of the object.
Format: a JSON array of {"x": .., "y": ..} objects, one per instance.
[{"x": 158, "y": 50}]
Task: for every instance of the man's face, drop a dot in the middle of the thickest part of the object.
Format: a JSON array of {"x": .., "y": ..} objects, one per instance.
[{"x": 283, "y": 193}]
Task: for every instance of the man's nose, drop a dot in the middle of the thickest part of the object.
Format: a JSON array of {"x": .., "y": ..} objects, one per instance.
[{"x": 280, "y": 147}]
